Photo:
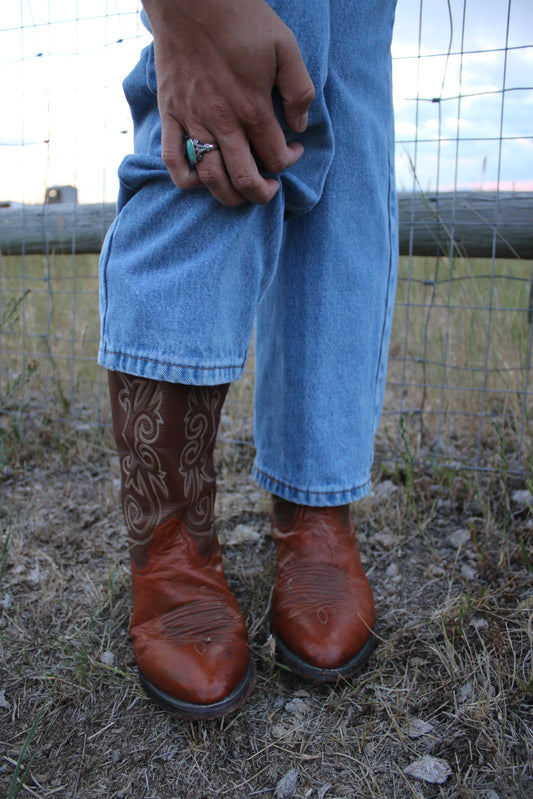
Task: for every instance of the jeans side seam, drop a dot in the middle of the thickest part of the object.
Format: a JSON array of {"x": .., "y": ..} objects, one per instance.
[{"x": 388, "y": 290}]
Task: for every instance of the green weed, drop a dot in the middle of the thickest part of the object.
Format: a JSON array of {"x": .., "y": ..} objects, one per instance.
[{"x": 17, "y": 782}]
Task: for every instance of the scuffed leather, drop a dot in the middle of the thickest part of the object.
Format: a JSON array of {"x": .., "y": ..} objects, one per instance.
[
  {"x": 188, "y": 633},
  {"x": 322, "y": 602}
]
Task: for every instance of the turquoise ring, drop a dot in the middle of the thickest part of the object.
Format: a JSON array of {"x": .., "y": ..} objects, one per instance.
[{"x": 195, "y": 150}]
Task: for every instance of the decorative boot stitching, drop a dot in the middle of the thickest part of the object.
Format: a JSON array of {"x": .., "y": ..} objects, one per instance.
[{"x": 143, "y": 479}]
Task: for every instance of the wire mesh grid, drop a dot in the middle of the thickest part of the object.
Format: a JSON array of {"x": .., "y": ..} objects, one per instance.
[{"x": 459, "y": 379}]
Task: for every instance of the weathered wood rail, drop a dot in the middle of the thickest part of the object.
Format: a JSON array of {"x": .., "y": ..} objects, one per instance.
[{"x": 475, "y": 224}]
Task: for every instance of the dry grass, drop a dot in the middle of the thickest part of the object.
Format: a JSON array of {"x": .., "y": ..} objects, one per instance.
[
  {"x": 460, "y": 356},
  {"x": 449, "y": 556}
]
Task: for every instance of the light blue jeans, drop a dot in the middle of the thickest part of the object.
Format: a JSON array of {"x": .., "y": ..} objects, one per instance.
[{"x": 184, "y": 279}]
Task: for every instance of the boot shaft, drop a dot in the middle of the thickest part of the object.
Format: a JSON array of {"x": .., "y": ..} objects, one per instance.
[{"x": 165, "y": 435}]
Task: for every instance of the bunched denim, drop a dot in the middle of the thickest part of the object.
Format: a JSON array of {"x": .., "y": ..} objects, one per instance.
[{"x": 183, "y": 279}]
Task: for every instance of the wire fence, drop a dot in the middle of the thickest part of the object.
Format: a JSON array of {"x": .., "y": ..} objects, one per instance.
[{"x": 459, "y": 385}]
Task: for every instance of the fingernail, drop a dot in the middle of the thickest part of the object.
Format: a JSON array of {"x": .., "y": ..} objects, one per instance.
[{"x": 301, "y": 123}]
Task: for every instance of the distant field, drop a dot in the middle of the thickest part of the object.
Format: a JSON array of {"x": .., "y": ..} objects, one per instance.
[{"x": 459, "y": 362}]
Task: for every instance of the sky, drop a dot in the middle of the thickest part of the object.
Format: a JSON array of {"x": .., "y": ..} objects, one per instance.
[{"x": 62, "y": 63}]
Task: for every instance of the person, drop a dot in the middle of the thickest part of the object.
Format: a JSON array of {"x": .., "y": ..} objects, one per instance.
[{"x": 260, "y": 195}]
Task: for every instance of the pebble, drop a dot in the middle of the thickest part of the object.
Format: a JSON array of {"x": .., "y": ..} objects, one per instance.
[
  {"x": 298, "y": 707},
  {"x": 418, "y": 728},
  {"x": 522, "y": 500},
  {"x": 287, "y": 785},
  {"x": 242, "y": 534},
  {"x": 468, "y": 572},
  {"x": 107, "y": 658},
  {"x": 478, "y": 624},
  {"x": 7, "y": 601},
  {"x": 458, "y": 538},
  {"x": 429, "y": 769},
  {"x": 4, "y": 704}
]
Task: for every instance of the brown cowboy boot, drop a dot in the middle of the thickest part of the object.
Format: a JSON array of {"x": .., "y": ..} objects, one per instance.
[
  {"x": 188, "y": 633},
  {"x": 322, "y": 603}
]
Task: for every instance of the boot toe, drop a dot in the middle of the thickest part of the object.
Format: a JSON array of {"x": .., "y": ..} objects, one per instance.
[
  {"x": 325, "y": 634},
  {"x": 198, "y": 667}
]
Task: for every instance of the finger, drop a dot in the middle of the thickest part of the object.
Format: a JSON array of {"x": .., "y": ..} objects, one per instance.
[
  {"x": 243, "y": 172},
  {"x": 271, "y": 147},
  {"x": 294, "y": 84},
  {"x": 213, "y": 176},
  {"x": 211, "y": 171},
  {"x": 173, "y": 154}
]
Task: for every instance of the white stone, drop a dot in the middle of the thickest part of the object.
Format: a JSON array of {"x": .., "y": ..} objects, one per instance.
[
  {"x": 458, "y": 538},
  {"x": 418, "y": 728},
  {"x": 429, "y": 769},
  {"x": 287, "y": 785}
]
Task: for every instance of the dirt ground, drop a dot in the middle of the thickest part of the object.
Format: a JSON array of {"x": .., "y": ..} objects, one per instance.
[{"x": 444, "y": 708}]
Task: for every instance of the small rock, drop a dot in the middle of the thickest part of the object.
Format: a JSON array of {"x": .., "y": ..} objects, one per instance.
[
  {"x": 279, "y": 730},
  {"x": 322, "y": 791},
  {"x": 468, "y": 572},
  {"x": 418, "y": 728},
  {"x": 465, "y": 692},
  {"x": 298, "y": 707},
  {"x": 34, "y": 577},
  {"x": 385, "y": 490},
  {"x": 287, "y": 785},
  {"x": 242, "y": 534},
  {"x": 435, "y": 571},
  {"x": 4, "y": 704},
  {"x": 443, "y": 448},
  {"x": 444, "y": 505},
  {"x": 429, "y": 769},
  {"x": 479, "y": 624},
  {"x": 522, "y": 500},
  {"x": 107, "y": 658},
  {"x": 458, "y": 539},
  {"x": 474, "y": 507},
  {"x": 387, "y": 540},
  {"x": 7, "y": 601}
]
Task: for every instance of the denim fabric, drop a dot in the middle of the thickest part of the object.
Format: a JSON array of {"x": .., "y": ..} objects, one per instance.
[{"x": 184, "y": 280}]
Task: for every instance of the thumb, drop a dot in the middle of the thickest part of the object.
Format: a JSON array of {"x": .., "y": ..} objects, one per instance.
[{"x": 294, "y": 84}]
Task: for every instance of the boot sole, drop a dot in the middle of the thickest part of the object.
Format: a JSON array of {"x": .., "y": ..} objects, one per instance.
[
  {"x": 197, "y": 712},
  {"x": 317, "y": 674}
]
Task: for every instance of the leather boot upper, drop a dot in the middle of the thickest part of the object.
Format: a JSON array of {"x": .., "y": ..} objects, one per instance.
[{"x": 322, "y": 603}]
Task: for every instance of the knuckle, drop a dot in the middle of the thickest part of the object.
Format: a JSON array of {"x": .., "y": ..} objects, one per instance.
[
  {"x": 245, "y": 184},
  {"x": 254, "y": 114},
  {"x": 251, "y": 189},
  {"x": 305, "y": 97},
  {"x": 276, "y": 163},
  {"x": 223, "y": 119},
  {"x": 170, "y": 159},
  {"x": 209, "y": 176}
]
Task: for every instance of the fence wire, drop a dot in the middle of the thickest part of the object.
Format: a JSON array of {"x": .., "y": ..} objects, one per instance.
[{"x": 459, "y": 382}]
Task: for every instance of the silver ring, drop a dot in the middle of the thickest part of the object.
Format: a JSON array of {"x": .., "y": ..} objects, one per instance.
[{"x": 196, "y": 150}]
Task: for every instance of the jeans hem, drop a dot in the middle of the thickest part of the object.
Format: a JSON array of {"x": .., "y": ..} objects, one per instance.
[
  {"x": 168, "y": 372},
  {"x": 316, "y": 498}
]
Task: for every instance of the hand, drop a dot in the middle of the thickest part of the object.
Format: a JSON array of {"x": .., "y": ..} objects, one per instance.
[{"x": 217, "y": 62}]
